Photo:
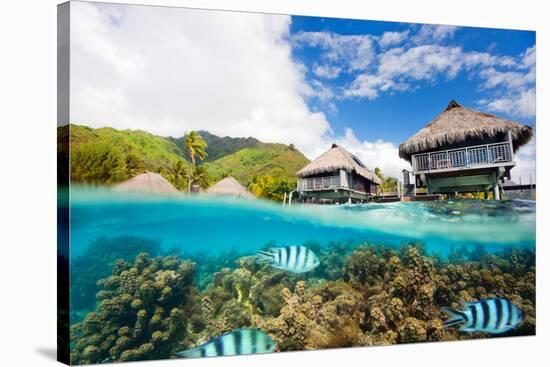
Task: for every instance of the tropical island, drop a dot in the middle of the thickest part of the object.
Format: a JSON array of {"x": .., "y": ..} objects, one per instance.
[
  {"x": 193, "y": 162},
  {"x": 462, "y": 153}
]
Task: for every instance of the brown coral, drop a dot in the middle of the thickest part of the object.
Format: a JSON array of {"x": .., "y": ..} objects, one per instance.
[{"x": 141, "y": 313}]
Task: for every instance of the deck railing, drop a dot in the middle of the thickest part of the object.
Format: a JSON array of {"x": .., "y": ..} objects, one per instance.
[
  {"x": 478, "y": 155},
  {"x": 319, "y": 183}
]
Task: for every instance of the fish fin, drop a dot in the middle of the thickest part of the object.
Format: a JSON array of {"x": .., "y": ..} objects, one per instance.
[
  {"x": 265, "y": 257},
  {"x": 190, "y": 353},
  {"x": 455, "y": 317}
]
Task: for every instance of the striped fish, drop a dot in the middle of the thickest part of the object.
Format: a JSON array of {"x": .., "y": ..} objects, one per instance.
[
  {"x": 236, "y": 342},
  {"x": 296, "y": 259},
  {"x": 493, "y": 315}
]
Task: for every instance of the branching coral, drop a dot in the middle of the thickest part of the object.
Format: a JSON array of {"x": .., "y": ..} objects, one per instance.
[
  {"x": 325, "y": 316},
  {"x": 143, "y": 312},
  {"x": 380, "y": 295},
  {"x": 97, "y": 262}
]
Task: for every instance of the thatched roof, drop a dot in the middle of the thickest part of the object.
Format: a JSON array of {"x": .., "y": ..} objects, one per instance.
[
  {"x": 459, "y": 124},
  {"x": 147, "y": 182},
  {"x": 337, "y": 158},
  {"x": 229, "y": 187}
]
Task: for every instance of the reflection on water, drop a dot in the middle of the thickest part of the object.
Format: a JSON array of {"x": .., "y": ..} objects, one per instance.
[{"x": 199, "y": 223}]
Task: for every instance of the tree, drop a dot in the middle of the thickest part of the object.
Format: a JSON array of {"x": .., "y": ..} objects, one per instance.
[
  {"x": 177, "y": 171},
  {"x": 271, "y": 188},
  {"x": 389, "y": 184},
  {"x": 196, "y": 148},
  {"x": 260, "y": 185},
  {"x": 135, "y": 165},
  {"x": 378, "y": 172},
  {"x": 201, "y": 177},
  {"x": 98, "y": 164}
]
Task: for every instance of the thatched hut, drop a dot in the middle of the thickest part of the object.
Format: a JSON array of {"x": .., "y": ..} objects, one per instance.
[
  {"x": 147, "y": 182},
  {"x": 336, "y": 176},
  {"x": 464, "y": 150},
  {"x": 229, "y": 187}
]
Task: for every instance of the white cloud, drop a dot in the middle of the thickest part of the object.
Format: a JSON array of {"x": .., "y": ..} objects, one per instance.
[
  {"x": 379, "y": 153},
  {"x": 399, "y": 69},
  {"x": 355, "y": 51},
  {"x": 434, "y": 33},
  {"x": 529, "y": 57},
  {"x": 393, "y": 38},
  {"x": 522, "y": 104},
  {"x": 508, "y": 79},
  {"x": 168, "y": 70},
  {"x": 327, "y": 71},
  {"x": 516, "y": 93},
  {"x": 525, "y": 169}
]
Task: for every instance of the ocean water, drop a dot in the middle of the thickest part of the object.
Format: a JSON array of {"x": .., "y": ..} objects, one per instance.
[
  {"x": 404, "y": 260},
  {"x": 215, "y": 224}
]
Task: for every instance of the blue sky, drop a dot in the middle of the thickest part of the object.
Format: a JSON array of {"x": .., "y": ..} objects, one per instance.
[
  {"x": 306, "y": 81},
  {"x": 395, "y": 115}
]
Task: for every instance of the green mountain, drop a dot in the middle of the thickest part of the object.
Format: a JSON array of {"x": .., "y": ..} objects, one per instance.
[
  {"x": 219, "y": 147},
  {"x": 106, "y": 156},
  {"x": 277, "y": 160}
]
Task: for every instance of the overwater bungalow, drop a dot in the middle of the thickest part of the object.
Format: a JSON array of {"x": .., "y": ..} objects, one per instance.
[
  {"x": 463, "y": 150},
  {"x": 229, "y": 186},
  {"x": 147, "y": 182},
  {"x": 337, "y": 176}
]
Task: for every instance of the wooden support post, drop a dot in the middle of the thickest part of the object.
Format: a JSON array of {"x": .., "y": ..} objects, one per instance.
[
  {"x": 496, "y": 192},
  {"x": 511, "y": 142}
]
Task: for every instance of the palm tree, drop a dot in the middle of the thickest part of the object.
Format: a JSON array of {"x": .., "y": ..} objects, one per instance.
[
  {"x": 178, "y": 173},
  {"x": 196, "y": 148},
  {"x": 201, "y": 177}
]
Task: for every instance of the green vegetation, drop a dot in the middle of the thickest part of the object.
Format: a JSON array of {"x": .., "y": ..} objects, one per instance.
[
  {"x": 107, "y": 156},
  {"x": 195, "y": 147},
  {"x": 276, "y": 160},
  {"x": 271, "y": 188},
  {"x": 389, "y": 184},
  {"x": 219, "y": 147}
]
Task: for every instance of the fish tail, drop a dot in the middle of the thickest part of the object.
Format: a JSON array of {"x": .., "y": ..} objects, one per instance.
[
  {"x": 191, "y": 353},
  {"x": 265, "y": 257},
  {"x": 455, "y": 317}
]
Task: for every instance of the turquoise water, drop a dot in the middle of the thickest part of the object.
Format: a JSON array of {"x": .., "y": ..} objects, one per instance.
[
  {"x": 462, "y": 250},
  {"x": 213, "y": 224}
]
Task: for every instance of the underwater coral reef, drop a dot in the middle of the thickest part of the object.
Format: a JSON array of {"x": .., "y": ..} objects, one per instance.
[
  {"x": 97, "y": 261},
  {"x": 152, "y": 308}
]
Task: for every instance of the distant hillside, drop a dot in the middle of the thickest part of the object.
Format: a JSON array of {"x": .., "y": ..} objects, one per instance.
[
  {"x": 219, "y": 147},
  {"x": 107, "y": 155},
  {"x": 277, "y": 160}
]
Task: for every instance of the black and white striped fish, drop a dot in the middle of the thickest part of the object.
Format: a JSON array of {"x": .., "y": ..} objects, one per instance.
[
  {"x": 296, "y": 259},
  {"x": 236, "y": 342},
  {"x": 493, "y": 315}
]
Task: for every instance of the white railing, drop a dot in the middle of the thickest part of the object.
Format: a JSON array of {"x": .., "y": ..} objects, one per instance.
[
  {"x": 319, "y": 183},
  {"x": 463, "y": 157}
]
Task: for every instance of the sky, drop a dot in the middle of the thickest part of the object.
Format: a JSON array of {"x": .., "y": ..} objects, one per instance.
[{"x": 308, "y": 81}]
